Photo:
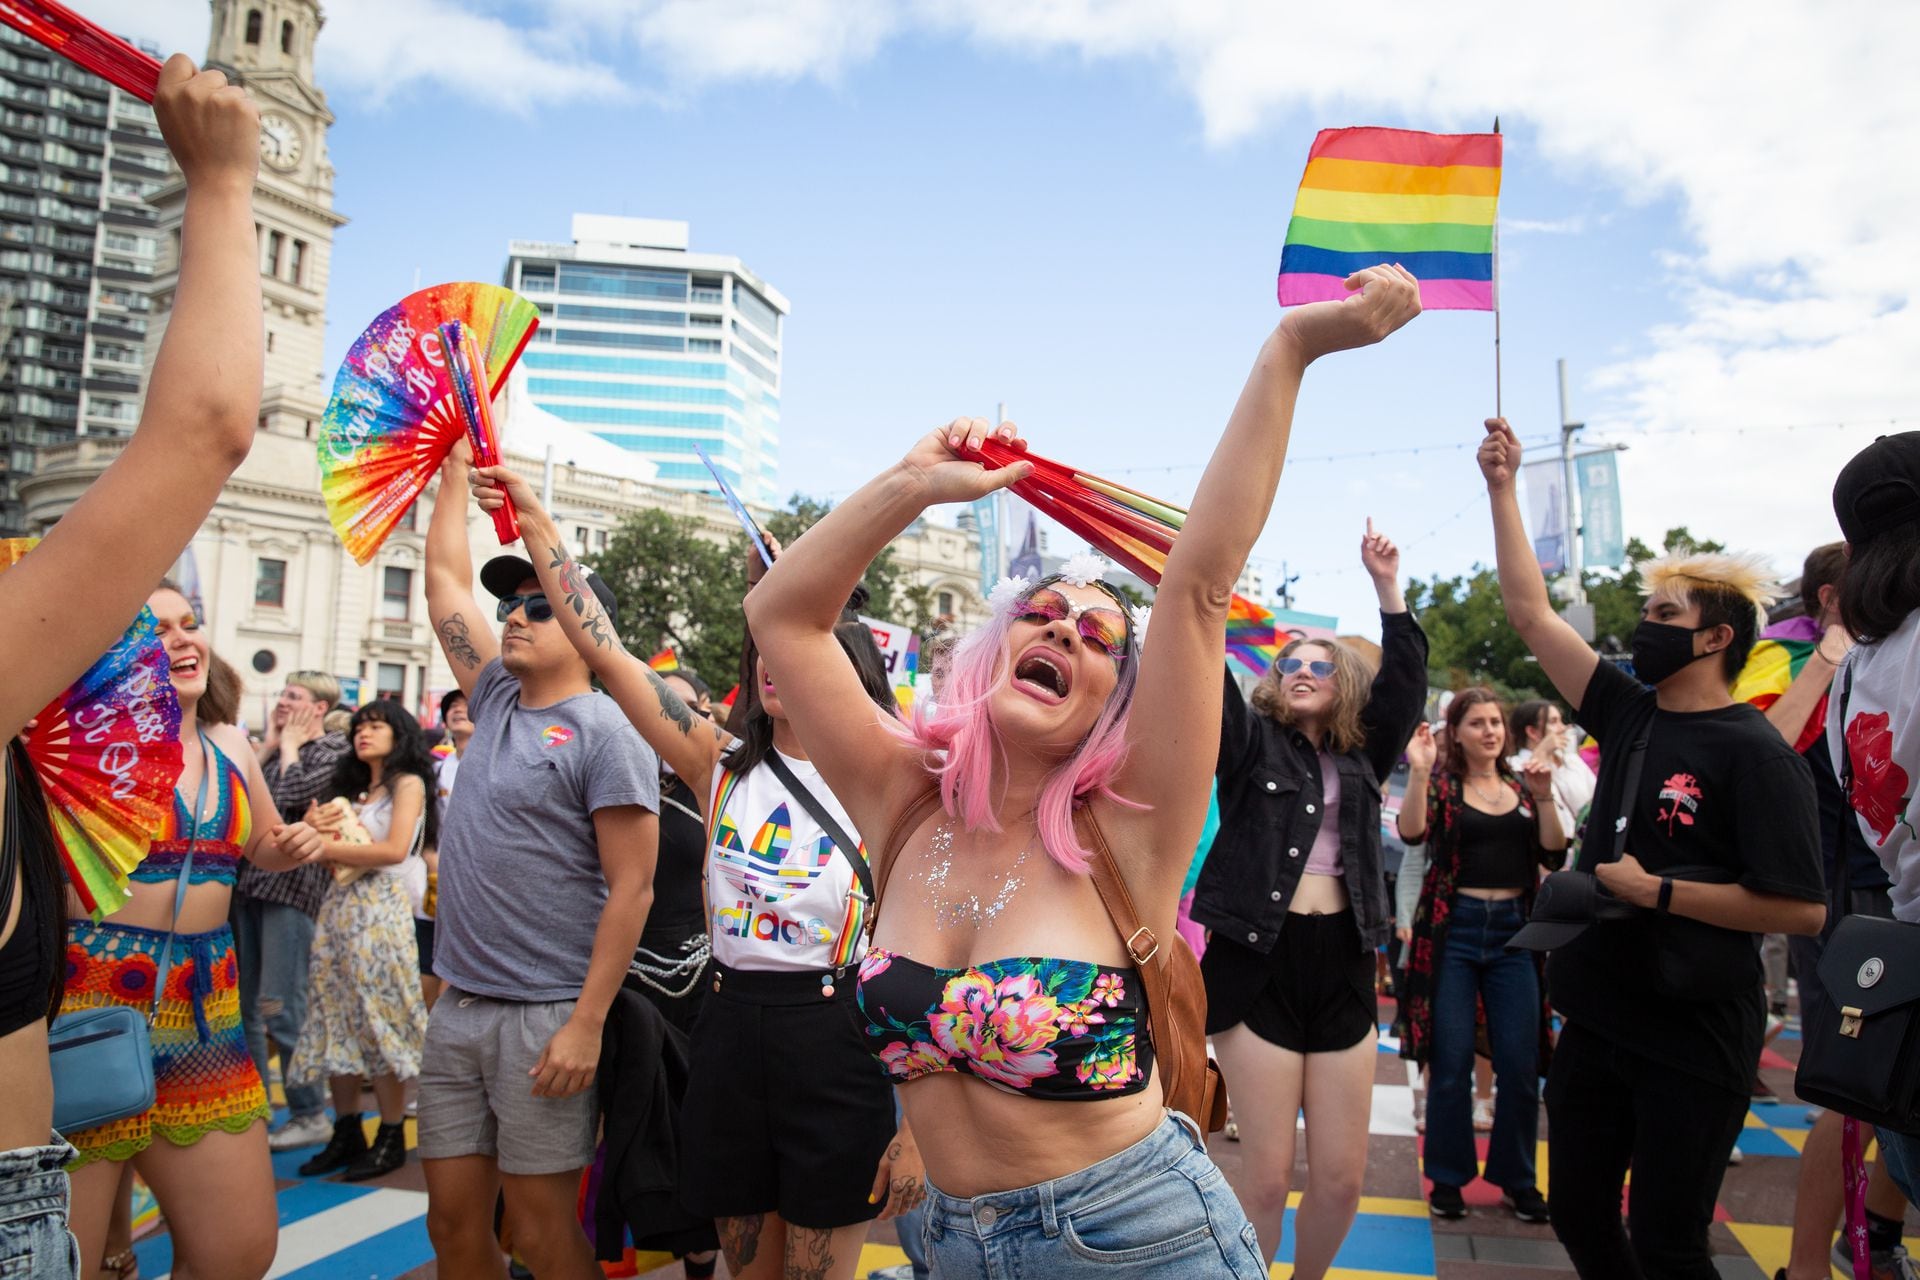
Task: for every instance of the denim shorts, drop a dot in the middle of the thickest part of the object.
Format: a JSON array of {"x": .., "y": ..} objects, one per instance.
[
  {"x": 1160, "y": 1208},
  {"x": 34, "y": 1242}
]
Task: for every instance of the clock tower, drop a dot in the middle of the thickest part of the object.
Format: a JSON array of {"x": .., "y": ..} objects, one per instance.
[{"x": 267, "y": 45}]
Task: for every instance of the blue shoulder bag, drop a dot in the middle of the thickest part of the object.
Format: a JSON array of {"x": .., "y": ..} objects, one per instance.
[{"x": 102, "y": 1059}]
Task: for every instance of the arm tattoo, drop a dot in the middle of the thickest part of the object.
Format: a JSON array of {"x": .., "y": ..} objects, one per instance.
[
  {"x": 809, "y": 1253},
  {"x": 457, "y": 640},
  {"x": 740, "y": 1240},
  {"x": 672, "y": 706},
  {"x": 580, "y": 598}
]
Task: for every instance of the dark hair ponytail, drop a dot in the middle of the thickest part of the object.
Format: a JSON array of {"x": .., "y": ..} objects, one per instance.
[{"x": 42, "y": 883}]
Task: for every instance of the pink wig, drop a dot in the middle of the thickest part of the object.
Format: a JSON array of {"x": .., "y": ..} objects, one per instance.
[{"x": 961, "y": 733}]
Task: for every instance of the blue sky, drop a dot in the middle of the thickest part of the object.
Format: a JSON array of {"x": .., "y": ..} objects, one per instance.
[{"x": 1079, "y": 211}]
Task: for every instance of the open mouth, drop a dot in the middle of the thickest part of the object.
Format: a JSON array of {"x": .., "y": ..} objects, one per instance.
[
  {"x": 1301, "y": 690},
  {"x": 185, "y": 666},
  {"x": 1043, "y": 674}
]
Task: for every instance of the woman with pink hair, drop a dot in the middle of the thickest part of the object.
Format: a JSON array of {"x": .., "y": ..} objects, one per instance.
[{"x": 998, "y": 995}]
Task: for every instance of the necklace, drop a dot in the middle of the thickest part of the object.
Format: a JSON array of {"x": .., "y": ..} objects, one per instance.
[
  {"x": 950, "y": 909},
  {"x": 1484, "y": 797}
]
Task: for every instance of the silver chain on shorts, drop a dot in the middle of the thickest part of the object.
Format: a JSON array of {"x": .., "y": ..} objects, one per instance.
[{"x": 660, "y": 972}]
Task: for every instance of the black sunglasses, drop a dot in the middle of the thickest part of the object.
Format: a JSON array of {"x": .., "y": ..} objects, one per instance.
[{"x": 539, "y": 608}]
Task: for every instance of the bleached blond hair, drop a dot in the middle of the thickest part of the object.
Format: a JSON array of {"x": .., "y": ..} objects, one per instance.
[{"x": 1746, "y": 575}]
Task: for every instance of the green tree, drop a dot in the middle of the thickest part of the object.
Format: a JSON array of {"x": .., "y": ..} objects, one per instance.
[
  {"x": 679, "y": 588},
  {"x": 1470, "y": 641}
]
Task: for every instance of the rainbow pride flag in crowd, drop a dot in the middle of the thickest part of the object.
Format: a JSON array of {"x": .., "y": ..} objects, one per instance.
[
  {"x": 1370, "y": 196},
  {"x": 665, "y": 662},
  {"x": 1777, "y": 657}
]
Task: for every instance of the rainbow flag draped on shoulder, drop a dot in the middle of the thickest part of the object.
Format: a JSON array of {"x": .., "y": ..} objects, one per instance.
[{"x": 1424, "y": 200}]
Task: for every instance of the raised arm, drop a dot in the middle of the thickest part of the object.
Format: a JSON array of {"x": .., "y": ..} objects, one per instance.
[
  {"x": 690, "y": 745},
  {"x": 1792, "y": 711},
  {"x": 1173, "y": 734},
  {"x": 1399, "y": 691},
  {"x": 63, "y": 605},
  {"x": 1421, "y": 752},
  {"x": 465, "y": 634},
  {"x": 1564, "y": 656},
  {"x": 793, "y": 611}
]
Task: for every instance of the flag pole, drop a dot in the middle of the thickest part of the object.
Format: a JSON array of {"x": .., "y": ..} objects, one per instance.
[{"x": 1497, "y": 412}]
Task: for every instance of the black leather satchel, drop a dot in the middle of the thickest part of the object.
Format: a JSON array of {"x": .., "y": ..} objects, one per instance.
[{"x": 1861, "y": 1057}]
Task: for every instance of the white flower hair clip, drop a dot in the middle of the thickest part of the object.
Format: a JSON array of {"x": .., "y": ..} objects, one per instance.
[
  {"x": 1083, "y": 569},
  {"x": 1006, "y": 593},
  {"x": 1142, "y": 616}
]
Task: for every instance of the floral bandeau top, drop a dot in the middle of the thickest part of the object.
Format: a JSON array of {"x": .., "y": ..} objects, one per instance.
[{"x": 1061, "y": 1029}]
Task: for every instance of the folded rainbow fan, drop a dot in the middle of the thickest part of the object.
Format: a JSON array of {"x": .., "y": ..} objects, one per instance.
[
  {"x": 107, "y": 755},
  {"x": 406, "y": 392},
  {"x": 1137, "y": 531}
]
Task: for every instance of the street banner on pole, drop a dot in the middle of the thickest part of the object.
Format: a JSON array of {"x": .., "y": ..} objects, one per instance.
[
  {"x": 986, "y": 522},
  {"x": 1546, "y": 515},
  {"x": 1601, "y": 535}
]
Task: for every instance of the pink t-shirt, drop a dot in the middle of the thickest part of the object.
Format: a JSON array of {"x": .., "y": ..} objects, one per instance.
[{"x": 1324, "y": 858}]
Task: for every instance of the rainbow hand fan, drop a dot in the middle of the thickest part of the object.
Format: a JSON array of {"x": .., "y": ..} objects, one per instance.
[
  {"x": 396, "y": 410},
  {"x": 1136, "y": 530},
  {"x": 107, "y": 755}
]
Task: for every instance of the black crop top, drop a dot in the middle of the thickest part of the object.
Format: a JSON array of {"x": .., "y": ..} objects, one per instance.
[
  {"x": 31, "y": 951},
  {"x": 1496, "y": 851}
]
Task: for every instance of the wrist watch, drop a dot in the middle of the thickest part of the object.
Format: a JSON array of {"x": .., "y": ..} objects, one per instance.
[{"x": 1666, "y": 895}]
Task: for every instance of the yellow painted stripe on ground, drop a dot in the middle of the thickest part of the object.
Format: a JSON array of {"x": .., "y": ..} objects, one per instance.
[
  {"x": 880, "y": 1255},
  {"x": 1326, "y": 173},
  {"x": 1350, "y": 206},
  {"x": 1388, "y": 1206},
  {"x": 1795, "y": 1138}
]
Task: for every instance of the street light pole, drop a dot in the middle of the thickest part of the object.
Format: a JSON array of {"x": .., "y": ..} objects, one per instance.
[{"x": 1570, "y": 494}]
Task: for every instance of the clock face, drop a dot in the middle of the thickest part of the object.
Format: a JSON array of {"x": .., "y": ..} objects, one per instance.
[{"x": 279, "y": 140}]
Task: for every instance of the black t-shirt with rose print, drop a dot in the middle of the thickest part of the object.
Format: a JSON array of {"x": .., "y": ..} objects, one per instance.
[{"x": 1721, "y": 797}]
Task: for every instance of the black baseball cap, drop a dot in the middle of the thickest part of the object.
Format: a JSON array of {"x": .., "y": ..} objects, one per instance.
[
  {"x": 503, "y": 575},
  {"x": 1880, "y": 489},
  {"x": 1565, "y": 904}
]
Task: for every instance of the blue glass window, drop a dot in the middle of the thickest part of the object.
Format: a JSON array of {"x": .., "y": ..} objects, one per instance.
[
  {"x": 622, "y": 315},
  {"x": 755, "y": 308},
  {"x": 751, "y": 338},
  {"x": 632, "y": 391},
  {"x": 607, "y": 338},
  {"x": 751, "y": 365},
  {"x": 567, "y": 362},
  {"x": 610, "y": 416},
  {"x": 624, "y": 282}
]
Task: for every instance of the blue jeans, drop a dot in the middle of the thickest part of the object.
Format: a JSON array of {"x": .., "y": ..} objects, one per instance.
[
  {"x": 1473, "y": 964},
  {"x": 1159, "y": 1209},
  {"x": 271, "y": 941},
  {"x": 1900, "y": 1152},
  {"x": 34, "y": 1241}
]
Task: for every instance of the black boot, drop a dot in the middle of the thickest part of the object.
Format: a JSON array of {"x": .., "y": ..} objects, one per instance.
[
  {"x": 349, "y": 1143},
  {"x": 388, "y": 1152}
]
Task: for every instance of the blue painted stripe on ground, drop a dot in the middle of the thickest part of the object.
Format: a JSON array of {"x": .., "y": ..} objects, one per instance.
[
  {"x": 1377, "y": 1242},
  {"x": 294, "y": 1203},
  {"x": 392, "y": 1252},
  {"x": 1782, "y": 1115}
]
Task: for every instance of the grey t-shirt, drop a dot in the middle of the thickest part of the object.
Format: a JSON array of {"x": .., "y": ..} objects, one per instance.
[{"x": 521, "y": 888}]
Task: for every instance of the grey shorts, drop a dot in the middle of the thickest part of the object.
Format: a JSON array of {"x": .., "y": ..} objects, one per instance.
[{"x": 476, "y": 1096}]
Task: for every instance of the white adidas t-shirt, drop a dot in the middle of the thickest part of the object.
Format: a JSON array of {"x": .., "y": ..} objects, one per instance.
[
  {"x": 1881, "y": 735},
  {"x": 780, "y": 896}
]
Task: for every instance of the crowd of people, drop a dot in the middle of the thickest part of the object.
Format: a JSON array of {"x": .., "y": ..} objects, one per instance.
[{"x": 605, "y": 938}]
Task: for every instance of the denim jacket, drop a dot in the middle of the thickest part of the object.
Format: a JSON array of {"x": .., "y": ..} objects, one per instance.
[{"x": 1270, "y": 803}]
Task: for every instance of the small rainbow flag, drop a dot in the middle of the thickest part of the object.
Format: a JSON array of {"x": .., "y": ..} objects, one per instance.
[
  {"x": 1373, "y": 196},
  {"x": 665, "y": 662}
]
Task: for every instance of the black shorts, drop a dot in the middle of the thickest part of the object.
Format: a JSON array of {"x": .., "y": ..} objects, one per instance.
[
  {"x": 786, "y": 1111},
  {"x": 423, "y": 938},
  {"x": 1313, "y": 993}
]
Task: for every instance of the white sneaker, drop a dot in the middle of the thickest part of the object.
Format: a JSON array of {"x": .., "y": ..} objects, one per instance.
[{"x": 307, "y": 1131}]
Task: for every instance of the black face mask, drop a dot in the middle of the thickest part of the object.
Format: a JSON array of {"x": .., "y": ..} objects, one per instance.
[{"x": 1660, "y": 649}]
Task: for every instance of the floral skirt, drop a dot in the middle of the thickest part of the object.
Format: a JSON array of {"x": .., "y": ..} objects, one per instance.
[
  {"x": 365, "y": 1015},
  {"x": 203, "y": 1076}
]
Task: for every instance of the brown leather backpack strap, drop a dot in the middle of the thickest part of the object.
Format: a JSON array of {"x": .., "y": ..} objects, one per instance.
[
  {"x": 1143, "y": 946},
  {"x": 909, "y": 822}
]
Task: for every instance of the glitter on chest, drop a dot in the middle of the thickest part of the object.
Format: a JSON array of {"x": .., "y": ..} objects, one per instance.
[{"x": 951, "y": 909}]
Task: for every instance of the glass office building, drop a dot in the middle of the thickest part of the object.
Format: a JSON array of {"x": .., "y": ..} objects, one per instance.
[{"x": 657, "y": 349}]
